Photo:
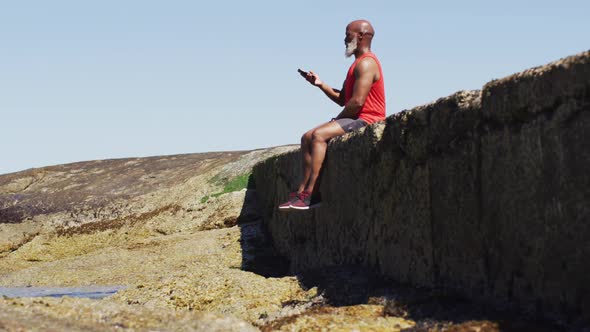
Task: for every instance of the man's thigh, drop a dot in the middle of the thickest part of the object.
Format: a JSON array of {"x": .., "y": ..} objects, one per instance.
[
  {"x": 329, "y": 130},
  {"x": 310, "y": 132}
]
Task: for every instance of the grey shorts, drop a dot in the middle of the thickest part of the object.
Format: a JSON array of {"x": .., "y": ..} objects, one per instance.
[{"x": 350, "y": 124}]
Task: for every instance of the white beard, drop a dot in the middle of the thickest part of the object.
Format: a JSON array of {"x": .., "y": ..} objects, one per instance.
[{"x": 350, "y": 48}]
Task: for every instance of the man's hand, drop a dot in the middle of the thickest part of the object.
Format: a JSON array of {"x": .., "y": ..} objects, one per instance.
[
  {"x": 314, "y": 80},
  {"x": 311, "y": 77}
]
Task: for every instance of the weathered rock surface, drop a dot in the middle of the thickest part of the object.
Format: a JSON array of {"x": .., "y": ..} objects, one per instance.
[
  {"x": 144, "y": 224},
  {"x": 174, "y": 244},
  {"x": 67, "y": 314},
  {"x": 412, "y": 198},
  {"x": 165, "y": 192},
  {"x": 186, "y": 267},
  {"x": 483, "y": 192}
]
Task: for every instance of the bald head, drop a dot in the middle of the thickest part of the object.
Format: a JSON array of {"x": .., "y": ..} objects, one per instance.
[
  {"x": 361, "y": 26},
  {"x": 359, "y": 35}
]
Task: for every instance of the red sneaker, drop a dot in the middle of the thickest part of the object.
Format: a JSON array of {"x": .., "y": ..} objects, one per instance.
[
  {"x": 287, "y": 204},
  {"x": 304, "y": 202}
]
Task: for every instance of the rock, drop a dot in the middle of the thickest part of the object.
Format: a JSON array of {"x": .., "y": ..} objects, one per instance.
[
  {"x": 90, "y": 315},
  {"x": 483, "y": 192}
]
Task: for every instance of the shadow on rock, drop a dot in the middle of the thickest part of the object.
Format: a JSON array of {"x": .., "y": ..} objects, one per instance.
[
  {"x": 431, "y": 309},
  {"x": 258, "y": 254},
  {"x": 340, "y": 286}
]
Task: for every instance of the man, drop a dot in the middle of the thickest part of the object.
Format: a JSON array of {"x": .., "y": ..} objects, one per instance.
[{"x": 363, "y": 98}]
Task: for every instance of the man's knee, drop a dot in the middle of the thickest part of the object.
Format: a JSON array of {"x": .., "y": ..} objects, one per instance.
[
  {"x": 306, "y": 138},
  {"x": 323, "y": 135},
  {"x": 317, "y": 137}
]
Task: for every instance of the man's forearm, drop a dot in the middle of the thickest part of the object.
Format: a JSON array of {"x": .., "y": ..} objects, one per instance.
[
  {"x": 351, "y": 110},
  {"x": 332, "y": 93},
  {"x": 348, "y": 112}
]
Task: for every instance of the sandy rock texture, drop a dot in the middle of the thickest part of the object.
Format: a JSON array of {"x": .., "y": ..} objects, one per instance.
[
  {"x": 164, "y": 227},
  {"x": 190, "y": 251},
  {"x": 483, "y": 192},
  {"x": 67, "y": 314},
  {"x": 178, "y": 232},
  {"x": 107, "y": 194}
]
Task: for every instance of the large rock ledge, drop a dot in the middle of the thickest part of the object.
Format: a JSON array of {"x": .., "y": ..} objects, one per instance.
[{"x": 483, "y": 192}]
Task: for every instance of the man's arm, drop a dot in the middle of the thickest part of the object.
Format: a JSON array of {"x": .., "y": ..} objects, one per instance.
[
  {"x": 334, "y": 94},
  {"x": 365, "y": 74}
]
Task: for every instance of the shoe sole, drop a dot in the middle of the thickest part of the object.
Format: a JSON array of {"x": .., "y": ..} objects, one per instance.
[
  {"x": 306, "y": 207},
  {"x": 286, "y": 207}
]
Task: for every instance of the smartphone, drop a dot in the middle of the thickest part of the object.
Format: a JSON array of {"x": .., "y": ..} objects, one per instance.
[{"x": 302, "y": 73}]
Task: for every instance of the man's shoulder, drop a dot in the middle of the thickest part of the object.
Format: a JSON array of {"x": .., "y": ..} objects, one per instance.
[{"x": 367, "y": 63}]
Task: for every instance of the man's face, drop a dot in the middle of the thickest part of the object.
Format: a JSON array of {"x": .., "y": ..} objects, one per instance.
[
  {"x": 351, "y": 43},
  {"x": 350, "y": 36}
]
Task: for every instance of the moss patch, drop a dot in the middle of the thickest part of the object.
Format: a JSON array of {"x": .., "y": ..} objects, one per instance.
[{"x": 236, "y": 184}]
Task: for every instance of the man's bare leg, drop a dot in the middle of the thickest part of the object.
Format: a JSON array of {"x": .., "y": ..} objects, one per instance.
[
  {"x": 306, "y": 156},
  {"x": 313, "y": 149},
  {"x": 306, "y": 159},
  {"x": 319, "y": 145}
]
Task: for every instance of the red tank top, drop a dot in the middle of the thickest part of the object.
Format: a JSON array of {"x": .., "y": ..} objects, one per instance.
[{"x": 374, "y": 108}]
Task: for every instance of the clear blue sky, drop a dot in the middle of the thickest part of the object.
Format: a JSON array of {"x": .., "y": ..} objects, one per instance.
[{"x": 83, "y": 80}]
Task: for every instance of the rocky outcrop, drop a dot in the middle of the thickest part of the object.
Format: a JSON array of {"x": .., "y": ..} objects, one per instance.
[
  {"x": 165, "y": 228},
  {"x": 83, "y": 192},
  {"x": 486, "y": 193},
  {"x": 168, "y": 194},
  {"x": 179, "y": 256}
]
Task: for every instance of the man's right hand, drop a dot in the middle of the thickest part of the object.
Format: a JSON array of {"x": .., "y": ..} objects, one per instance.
[{"x": 313, "y": 78}]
